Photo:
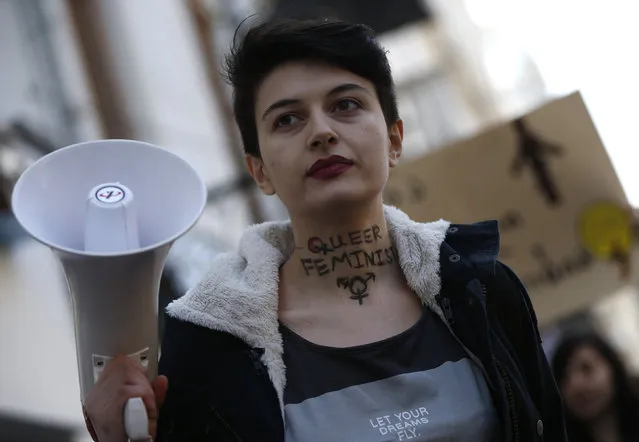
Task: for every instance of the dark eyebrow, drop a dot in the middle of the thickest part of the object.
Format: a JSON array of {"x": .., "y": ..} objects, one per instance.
[
  {"x": 278, "y": 104},
  {"x": 347, "y": 87},
  {"x": 289, "y": 101}
]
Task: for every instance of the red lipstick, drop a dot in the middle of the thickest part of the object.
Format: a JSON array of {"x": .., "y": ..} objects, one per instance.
[{"x": 330, "y": 167}]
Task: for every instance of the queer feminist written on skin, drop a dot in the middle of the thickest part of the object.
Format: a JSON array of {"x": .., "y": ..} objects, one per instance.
[{"x": 341, "y": 253}]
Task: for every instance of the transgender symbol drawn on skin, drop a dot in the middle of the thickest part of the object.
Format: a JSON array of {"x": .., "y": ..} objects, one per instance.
[{"x": 358, "y": 285}]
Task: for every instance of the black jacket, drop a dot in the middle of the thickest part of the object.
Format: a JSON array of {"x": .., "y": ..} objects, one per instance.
[{"x": 223, "y": 387}]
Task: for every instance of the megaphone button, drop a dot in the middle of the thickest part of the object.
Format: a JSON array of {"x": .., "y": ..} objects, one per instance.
[{"x": 110, "y": 194}]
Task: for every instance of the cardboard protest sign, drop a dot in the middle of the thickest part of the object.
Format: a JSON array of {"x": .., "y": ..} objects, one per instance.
[{"x": 547, "y": 178}]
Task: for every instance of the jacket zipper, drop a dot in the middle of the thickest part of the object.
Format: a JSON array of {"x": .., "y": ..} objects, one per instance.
[
  {"x": 448, "y": 312},
  {"x": 450, "y": 319},
  {"x": 484, "y": 291},
  {"x": 226, "y": 425},
  {"x": 511, "y": 400},
  {"x": 256, "y": 358},
  {"x": 507, "y": 386}
]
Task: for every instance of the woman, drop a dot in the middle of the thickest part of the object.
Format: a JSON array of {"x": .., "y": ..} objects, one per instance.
[
  {"x": 601, "y": 403},
  {"x": 350, "y": 322}
]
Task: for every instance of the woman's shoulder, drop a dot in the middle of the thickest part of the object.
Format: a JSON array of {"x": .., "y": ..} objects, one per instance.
[
  {"x": 191, "y": 351},
  {"x": 186, "y": 338}
]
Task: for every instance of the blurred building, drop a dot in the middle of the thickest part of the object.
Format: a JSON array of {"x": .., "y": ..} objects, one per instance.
[{"x": 76, "y": 70}]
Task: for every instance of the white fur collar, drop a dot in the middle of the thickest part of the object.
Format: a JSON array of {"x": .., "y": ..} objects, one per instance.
[{"x": 240, "y": 294}]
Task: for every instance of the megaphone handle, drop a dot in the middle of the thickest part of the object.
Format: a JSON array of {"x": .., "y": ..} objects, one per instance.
[{"x": 136, "y": 420}]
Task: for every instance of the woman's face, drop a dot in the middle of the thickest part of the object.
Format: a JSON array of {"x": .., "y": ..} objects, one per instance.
[
  {"x": 588, "y": 385},
  {"x": 309, "y": 112}
]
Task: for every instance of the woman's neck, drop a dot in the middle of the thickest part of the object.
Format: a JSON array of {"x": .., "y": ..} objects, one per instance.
[
  {"x": 342, "y": 257},
  {"x": 606, "y": 428}
]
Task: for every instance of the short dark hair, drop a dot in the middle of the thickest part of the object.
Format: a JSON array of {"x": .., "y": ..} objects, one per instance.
[{"x": 352, "y": 47}]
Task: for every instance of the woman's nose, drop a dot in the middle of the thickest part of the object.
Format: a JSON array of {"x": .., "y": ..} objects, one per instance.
[{"x": 322, "y": 134}]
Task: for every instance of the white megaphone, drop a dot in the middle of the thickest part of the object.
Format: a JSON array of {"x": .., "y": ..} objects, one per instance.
[{"x": 110, "y": 210}]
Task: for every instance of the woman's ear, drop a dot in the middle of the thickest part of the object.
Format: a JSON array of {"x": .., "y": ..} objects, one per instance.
[
  {"x": 260, "y": 175},
  {"x": 396, "y": 136}
]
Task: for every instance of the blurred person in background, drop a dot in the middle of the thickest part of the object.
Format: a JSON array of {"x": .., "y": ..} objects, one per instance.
[
  {"x": 600, "y": 399},
  {"x": 350, "y": 322}
]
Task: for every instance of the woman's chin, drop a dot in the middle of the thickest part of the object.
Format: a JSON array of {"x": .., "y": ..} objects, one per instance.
[{"x": 346, "y": 199}]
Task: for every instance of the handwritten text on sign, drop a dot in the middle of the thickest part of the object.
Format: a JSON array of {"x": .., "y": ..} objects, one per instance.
[{"x": 536, "y": 175}]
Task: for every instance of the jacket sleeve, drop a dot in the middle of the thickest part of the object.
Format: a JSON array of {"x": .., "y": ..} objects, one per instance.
[
  {"x": 522, "y": 328},
  {"x": 219, "y": 391},
  {"x": 189, "y": 412}
]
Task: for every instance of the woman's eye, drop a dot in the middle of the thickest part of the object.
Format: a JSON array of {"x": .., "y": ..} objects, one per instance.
[
  {"x": 286, "y": 120},
  {"x": 346, "y": 105}
]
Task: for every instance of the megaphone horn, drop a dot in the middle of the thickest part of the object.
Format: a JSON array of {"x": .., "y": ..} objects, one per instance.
[{"x": 110, "y": 210}]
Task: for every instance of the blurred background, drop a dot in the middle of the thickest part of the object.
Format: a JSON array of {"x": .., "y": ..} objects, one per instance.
[{"x": 77, "y": 70}]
